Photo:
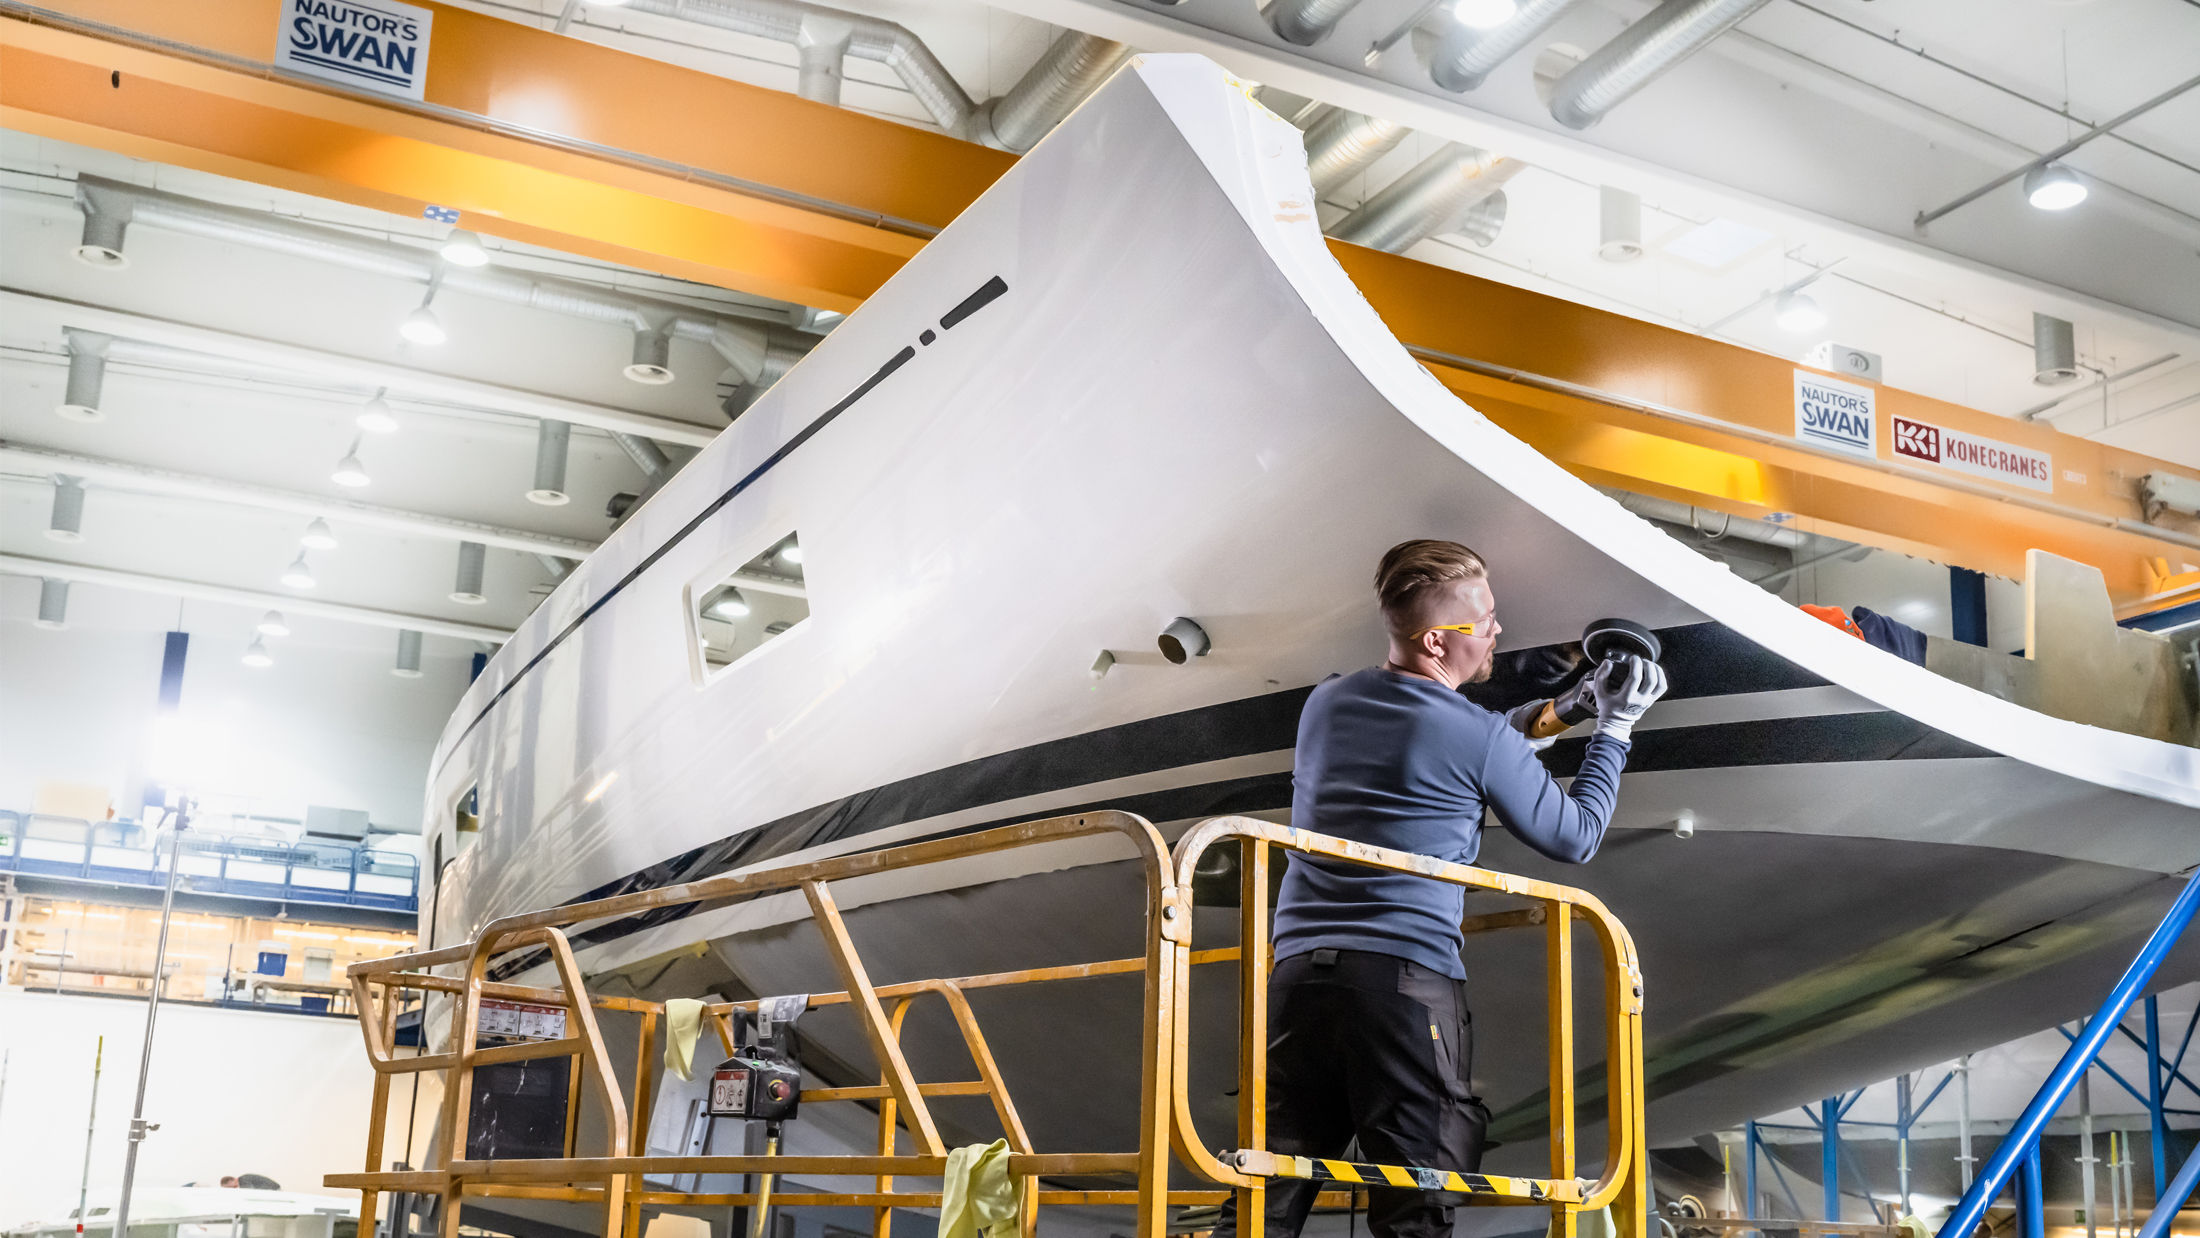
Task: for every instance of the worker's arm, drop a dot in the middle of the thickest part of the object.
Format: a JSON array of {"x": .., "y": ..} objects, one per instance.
[{"x": 1568, "y": 824}]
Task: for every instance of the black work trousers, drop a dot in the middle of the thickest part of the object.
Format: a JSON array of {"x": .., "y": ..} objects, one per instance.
[{"x": 1373, "y": 1048}]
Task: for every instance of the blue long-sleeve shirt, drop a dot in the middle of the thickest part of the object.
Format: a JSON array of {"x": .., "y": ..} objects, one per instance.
[{"x": 1404, "y": 762}]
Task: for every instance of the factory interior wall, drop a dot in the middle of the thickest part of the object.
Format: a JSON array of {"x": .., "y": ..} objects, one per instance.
[
  {"x": 234, "y": 1091},
  {"x": 328, "y": 724}
]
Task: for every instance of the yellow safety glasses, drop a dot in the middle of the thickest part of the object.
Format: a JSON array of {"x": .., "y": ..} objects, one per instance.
[{"x": 1470, "y": 629}]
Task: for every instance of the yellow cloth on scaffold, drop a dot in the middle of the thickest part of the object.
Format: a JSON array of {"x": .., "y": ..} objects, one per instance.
[{"x": 980, "y": 1196}]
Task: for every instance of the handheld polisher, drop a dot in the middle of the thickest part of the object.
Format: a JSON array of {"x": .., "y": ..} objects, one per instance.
[{"x": 1605, "y": 640}]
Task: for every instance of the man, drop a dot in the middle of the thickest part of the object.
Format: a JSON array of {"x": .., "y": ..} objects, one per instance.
[{"x": 1370, "y": 1038}]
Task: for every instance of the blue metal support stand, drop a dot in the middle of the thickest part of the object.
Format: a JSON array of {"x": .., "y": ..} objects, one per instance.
[
  {"x": 2166, "y": 1203},
  {"x": 2158, "y": 1120},
  {"x": 2031, "y": 1211},
  {"x": 1751, "y": 1205},
  {"x": 2022, "y": 1141},
  {"x": 1829, "y": 1143}
]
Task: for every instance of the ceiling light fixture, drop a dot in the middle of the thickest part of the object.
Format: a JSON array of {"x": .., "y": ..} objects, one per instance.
[
  {"x": 53, "y": 604},
  {"x": 349, "y": 471},
  {"x": 1484, "y": 14},
  {"x": 256, "y": 654},
  {"x": 466, "y": 588},
  {"x": 66, "y": 523},
  {"x": 271, "y": 624},
  {"x": 423, "y": 327},
  {"x": 1796, "y": 312},
  {"x": 318, "y": 536},
  {"x": 791, "y": 553},
  {"x": 730, "y": 605},
  {"x": 377, "y": 417},
  {"x": 298, "y": 575},
  {"x": 2053, "y": 187},
  {"x": 408, "y": 654},
  {"x": 463, "y": 249}
]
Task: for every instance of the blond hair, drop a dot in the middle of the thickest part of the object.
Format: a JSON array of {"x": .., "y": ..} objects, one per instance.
[{"x": 1412, "y": 572}]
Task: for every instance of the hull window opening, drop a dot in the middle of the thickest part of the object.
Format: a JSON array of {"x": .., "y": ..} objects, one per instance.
[
  {"x": 466, "y": 819},
  {"x": 733, "y": 614}
]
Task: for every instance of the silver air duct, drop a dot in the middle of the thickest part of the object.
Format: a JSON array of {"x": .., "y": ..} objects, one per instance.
[
  {"x": 1482, "y": 222},
  {"x": 1465, "y": 56},
  {"x": 1072, "y": 67},
  {"x": 816, "y": 31},
  {"x": 647, "y": 456},
  {"x": 53, "y": 603},
  {"x": 1430, "y": 200},
  {"x": 408, "y": 654},
  {"x": 2054, "y": 350},
  {"x": 551, "y": 441},
  {"x": 1619, "y": 225},
  {"x": 1636, "y": 56},
  {"x": 66, "y": 524},
  {"x": 106, "y": 220},
  {"x": 87, "y": 375},
  {"x": 777, "y": 361},
  {"x": 472, "y": 559},
  {"x": 652, "y": 364},
  {"x": 1343, "y": 144},
  {"x": 1307, "y": 22}
]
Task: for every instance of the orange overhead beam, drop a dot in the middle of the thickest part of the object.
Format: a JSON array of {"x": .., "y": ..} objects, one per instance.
[{"x": 562, "y": 143}]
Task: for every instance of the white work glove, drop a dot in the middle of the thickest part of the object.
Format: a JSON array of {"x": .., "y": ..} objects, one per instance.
[
  {"x": 1524, "y": 716},
  {"x": 1625, "y": 689}
]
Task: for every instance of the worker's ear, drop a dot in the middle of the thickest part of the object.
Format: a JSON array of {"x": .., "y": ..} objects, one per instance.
[{"x": 1432, "y": 644}]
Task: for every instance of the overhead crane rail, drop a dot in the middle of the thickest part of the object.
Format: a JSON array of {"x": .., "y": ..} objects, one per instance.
[{"x": 609, "y": 1176}]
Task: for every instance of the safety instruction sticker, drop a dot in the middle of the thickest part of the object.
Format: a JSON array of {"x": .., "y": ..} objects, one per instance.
[
  {"x": 523, "y": 1019},
  {"x": 377, "y": 45},
  {"x": 729, "y": 1092},
  {"x": 1832, "y": 413},
  {"x": 1968, "y": 453}
]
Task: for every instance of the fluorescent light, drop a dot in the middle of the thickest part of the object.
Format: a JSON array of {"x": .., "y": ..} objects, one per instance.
[
  {"x": 730, "y": 605},
  {"x": 1797, "y": 312},
  {"x": 349, "y": 471},
  {"x": 298, "y": 575},
  {"x": 256, "y": 655},
  {"x": 318, "y": 536},
  {"x": 604, "y": 784},
  {"x": 376, "y": 417},
  {"x": 791, "y": 553},
  {"x": 423, "y": 327},
  {"x": 271, "y": 624},
  {"x": 1483, "y": 14},
  {"x": 463, "y": 249},
  {"x": 2052, "y": 187}
]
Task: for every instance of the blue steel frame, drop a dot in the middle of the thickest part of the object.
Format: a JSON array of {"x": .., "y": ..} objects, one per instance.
[
  {"x": 334, "y": 860},
  {"x": 2018, "y": 1152}
]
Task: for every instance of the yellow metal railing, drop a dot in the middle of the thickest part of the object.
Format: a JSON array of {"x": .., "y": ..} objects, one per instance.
[{"x": 611, "y": 1177}]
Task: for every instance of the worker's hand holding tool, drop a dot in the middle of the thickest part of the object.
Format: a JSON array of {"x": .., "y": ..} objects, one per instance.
[
  {"x": 1624, "y": 690},
  {"x": 1522, "y": 718}
]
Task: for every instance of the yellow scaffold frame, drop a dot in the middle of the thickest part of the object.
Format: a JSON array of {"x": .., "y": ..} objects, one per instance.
[{"x": 612, "y": 1178}]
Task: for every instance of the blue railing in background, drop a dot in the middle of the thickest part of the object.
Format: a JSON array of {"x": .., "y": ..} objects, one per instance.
[
  {"x": 2019, "y": 1152},
  {"x": 249, "y": 866}
]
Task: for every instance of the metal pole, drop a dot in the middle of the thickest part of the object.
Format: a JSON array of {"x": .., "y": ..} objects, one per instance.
[
  {"x": 1926, "y": 217},
  {"x": 2085, "y": 1149},
  {"x": 1751, "y": 1205},
  {"x": 138, "y": 1127},
  {"x": 1829, "y": 1146},
  {"x": 1964, "y": 1159},
  {"x": 2155, "y": 1116},
  {"x": 1902, "y": 1139},
  {"x": 84, "y": 1184},
  {"x": 2168, "y": 1202},
  {"x": 2031, "y": 1213}
]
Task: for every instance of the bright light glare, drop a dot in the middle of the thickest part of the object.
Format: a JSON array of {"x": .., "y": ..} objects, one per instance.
[
  {"x": 188, "y": 753},
  {"x": 318, "y": 536},
  {"x": 298, "y": 575},
  {"x": 1798, "y": 313},
  {"x": 272, "y": 624},
  {"x": 463, "y": 248},
  {"x": 604, "y": 784},
  {"x": 350, "y": 472},
  {"x": 376, "y": 416},
  {"x": 791, "y": 553},
  {"x": 256, "y": 654},
  {"x": 2053, "y": 188},
  {"x": 730, "y": 606},
  {"x": 423, "y": 327},
  {"x": 1483, "y": 14}
]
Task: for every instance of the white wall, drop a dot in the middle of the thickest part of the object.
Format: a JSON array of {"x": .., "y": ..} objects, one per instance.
[
  {"x": 327, "y": 724},
  {"x": 234, "y": 1091}
]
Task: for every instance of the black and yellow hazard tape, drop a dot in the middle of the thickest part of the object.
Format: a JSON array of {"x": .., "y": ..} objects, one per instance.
[{"x": 1407, "y": 1177}]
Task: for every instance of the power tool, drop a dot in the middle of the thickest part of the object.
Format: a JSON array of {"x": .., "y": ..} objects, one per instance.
[
  {"x": 761, "y": 1081},
  {"x": 1605, "y": 640}
]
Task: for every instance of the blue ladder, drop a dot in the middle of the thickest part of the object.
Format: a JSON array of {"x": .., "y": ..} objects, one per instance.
[{"x": 2019, "y": 1153}]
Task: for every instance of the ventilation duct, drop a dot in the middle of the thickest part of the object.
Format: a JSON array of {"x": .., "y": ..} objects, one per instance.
[
  {"x": 408, "y": 654},
  {"x": 1482, "y": 221},
  {"x": 741, "y": 344},
  {"x": 1072, "y": 67},
  {"x": 1635, "y": 57},
  {"x": 53, "y": 603},
  {"x": 777, "y": 361},
  {"x": 647, "y": 456},
  {"x": 551, "y": 440},
  {"x": 1619, "y": 225},
  {"x": 66, "y": 524},
  {"x": 1466, "y": 56},
  {"x": 106, "y": 220},
  {"x": 472, "y": 558},
  {"x": 815, "y": 31},
  {"x": 87, "y": 375},
  {"x": 2054, "y": 350},
  {"x": 1432, "y": 199},
  {"x": 1307, "y": 22},
  {"x": 1343, "y": 144}
]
